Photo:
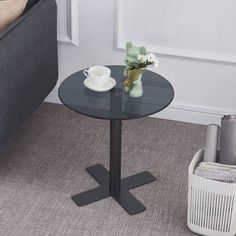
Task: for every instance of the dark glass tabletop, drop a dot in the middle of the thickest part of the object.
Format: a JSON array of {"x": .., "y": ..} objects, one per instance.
[{"x": 116, "y": 103}]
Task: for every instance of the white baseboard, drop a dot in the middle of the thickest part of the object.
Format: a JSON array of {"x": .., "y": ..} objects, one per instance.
[
  {"x": 188, "y": 114},
  {"x": 176, "y": 111}
]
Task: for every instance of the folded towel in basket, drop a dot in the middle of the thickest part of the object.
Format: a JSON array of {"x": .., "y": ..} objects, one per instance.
[{"x": 216, "y": 171}]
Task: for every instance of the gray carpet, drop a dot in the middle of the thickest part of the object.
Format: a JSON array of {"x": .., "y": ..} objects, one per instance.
[{"x": 44, "y": 164}]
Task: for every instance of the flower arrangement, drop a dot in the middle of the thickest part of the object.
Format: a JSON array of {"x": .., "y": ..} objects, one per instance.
[
  {"x": 146, "y": 60},
  {"x": 137, "y": 60}
]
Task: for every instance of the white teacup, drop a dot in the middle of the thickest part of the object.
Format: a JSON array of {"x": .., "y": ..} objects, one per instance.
[{"x": 99, "y": 75}]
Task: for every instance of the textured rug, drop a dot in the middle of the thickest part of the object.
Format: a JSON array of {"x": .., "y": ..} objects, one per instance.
[{"x": 44, "y": 164}]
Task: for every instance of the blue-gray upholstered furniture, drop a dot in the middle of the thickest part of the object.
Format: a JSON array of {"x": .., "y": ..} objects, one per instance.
[{"x": 28, "y": 65}]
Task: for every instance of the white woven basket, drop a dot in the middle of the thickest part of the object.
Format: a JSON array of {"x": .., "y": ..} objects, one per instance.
[{"x": 211, "y": 204}]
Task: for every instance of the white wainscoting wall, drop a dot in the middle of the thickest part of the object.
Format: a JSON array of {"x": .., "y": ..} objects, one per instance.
[{"x": 194, "y": 40}]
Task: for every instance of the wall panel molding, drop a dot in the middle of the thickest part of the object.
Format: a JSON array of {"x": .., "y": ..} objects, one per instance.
[
  {"x": 121, "y": 40},
  {"x": 72, "y": 34}
]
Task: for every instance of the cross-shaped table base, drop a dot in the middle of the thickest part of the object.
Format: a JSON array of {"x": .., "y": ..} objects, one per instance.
[{"x": 123, "y": 197}]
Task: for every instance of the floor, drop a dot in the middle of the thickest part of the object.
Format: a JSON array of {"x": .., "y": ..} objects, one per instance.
[{"x": 44, "y": 164}]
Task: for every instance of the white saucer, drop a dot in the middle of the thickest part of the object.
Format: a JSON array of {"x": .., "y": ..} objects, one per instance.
[{"x": 90, "y": 85}]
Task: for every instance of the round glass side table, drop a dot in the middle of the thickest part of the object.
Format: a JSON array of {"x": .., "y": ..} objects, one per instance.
[{"x": 115, "y": 105}]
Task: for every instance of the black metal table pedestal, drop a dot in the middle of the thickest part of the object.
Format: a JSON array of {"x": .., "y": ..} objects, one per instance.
[{"x": 111, "y": 182}]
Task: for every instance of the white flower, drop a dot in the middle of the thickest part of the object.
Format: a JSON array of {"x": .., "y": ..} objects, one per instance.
[
  {"x": 141, "y": 58},
  {"x": 151, "y": 57},
  {"x": 148, "y": 60}
]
